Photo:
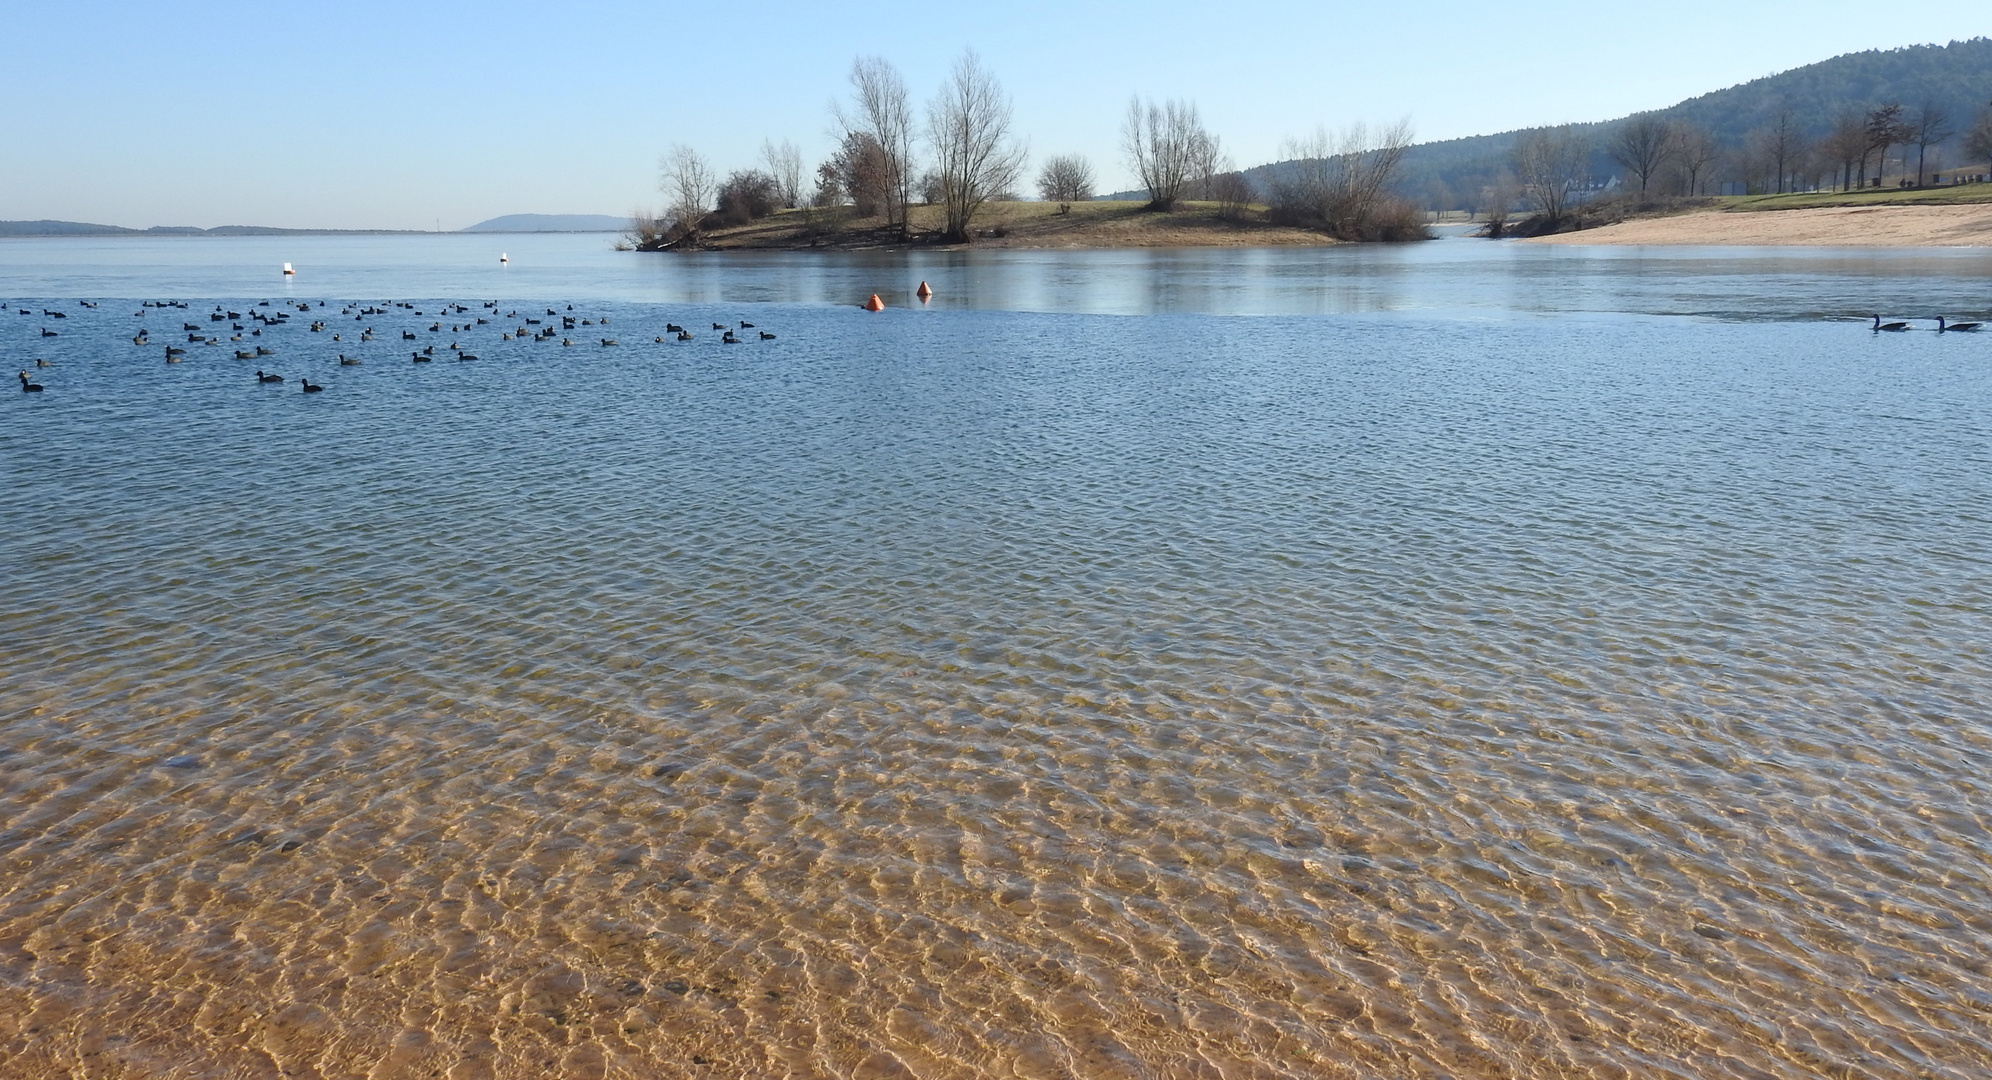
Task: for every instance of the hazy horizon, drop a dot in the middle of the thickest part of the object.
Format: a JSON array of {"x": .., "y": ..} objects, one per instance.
[{"x": 438, "y": 118}]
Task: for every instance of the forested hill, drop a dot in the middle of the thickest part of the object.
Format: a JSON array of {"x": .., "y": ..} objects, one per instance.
[{"x": 1956, "y": 77}]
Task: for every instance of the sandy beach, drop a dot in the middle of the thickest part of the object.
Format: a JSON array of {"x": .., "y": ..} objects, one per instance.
[{"x": 1840, "y": 226}]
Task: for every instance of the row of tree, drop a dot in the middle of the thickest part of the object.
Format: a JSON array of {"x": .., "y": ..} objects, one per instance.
[
  {"x": 973, "y": 158},
  {"x": 1781, "y": 156},
  {"x": 1552, "y": 167}
]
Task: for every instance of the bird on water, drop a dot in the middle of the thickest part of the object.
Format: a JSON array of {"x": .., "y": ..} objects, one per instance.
[
  {"x": 262, "y": 378},
  {"x": 1956, "y": 327},
  {"x": 1892, "y": 327},
  {"x": 28, "y": 387},
  {"x": 309, "y": 386}
]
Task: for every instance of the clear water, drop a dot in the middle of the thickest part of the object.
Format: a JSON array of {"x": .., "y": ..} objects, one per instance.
[{"x": 1481, "y": 661}]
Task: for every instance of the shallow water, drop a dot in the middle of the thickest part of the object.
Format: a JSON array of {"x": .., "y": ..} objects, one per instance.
[{"x": 1475, "y": 679}]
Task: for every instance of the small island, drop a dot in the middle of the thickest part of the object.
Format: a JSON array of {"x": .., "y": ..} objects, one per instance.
[{"x": 1091, "y": 224}]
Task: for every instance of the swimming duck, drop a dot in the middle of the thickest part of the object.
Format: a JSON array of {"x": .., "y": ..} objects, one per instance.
[
  {"x": 1962, "y": 327},
  {"x": 262, "y": 378},
  {"x": 309, "y": 388},
  {"x": 765, "y": 336},
  {"x": 29, "y": 387},
  {"x": 1892, "y": 327},
  {"x": 347, "y": 361}
]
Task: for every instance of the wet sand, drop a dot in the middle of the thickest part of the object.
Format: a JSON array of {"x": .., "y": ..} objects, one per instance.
[{"x": 1837, "y": 226}]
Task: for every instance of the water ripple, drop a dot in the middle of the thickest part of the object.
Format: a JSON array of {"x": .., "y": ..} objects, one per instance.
[{"x": 983, "y": 694}]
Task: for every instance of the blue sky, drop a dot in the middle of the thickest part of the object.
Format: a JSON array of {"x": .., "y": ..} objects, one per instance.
[{"x": 374, "y": 115}]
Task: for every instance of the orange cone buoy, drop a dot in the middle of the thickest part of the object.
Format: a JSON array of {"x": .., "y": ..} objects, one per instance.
[
  {"x": 925, "y": 292},
  {"x": 874, "y": 304}
]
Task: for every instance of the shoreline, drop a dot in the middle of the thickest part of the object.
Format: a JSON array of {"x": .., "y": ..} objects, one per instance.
[
  {"x": 1892, "y": 225},
  {"x": 1093, "y": 225}
]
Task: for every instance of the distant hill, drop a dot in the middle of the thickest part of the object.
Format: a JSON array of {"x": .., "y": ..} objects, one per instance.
[
  {"x": 531, "y": 223},
  {"x": 1956, "y": 77},
  {"x": 63, "y": 228},
  {"x": 84, "y": 228}
]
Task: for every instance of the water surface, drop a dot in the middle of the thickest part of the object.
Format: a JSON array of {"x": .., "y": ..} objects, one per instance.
[{"x": 1471, "y": 665}]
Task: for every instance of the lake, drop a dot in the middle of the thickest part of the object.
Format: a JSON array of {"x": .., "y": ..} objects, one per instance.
[{"x": 1459, "y": 660}]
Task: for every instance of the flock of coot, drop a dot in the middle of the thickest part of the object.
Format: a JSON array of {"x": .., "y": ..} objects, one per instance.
[{"x": 461, "y": 325}]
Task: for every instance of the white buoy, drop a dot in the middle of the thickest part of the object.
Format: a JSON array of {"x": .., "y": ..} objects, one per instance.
[
  {"x": 288, "y": 271},
  {"x": 504, "y": 258}
]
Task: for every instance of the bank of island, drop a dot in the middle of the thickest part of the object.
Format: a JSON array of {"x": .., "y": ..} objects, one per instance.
[{"x": 1090, "y": 224}]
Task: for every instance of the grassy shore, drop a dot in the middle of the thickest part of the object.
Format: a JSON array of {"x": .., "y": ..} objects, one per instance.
[
  {"x": 1957, "y": 195},
  {"x": 1098, "y": 224}
]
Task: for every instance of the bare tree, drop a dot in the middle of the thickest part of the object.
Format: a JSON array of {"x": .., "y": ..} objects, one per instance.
[
  {"x": 785, "y": 166},
  {"x": 1232, "y": 193},
  {"x": 1930, "y": 126},
  {"x": 1066, "y": 179},
  {"x": 969, "y": 125},
  {"x": 1885, "y": 128},
  {"x": 828, "y": 193},
  {"x": 747, "y": 195},
  {"x": 1978, "y": 140},
  {"x": 1782, "y": 146},
  {"x": 1499, "y": 198},
  {"x": 1642, "y": 145},
  {"x": 1162, "y": 143},
  {"x": 1847, "y": 143},
  {"x": 646, "y": 230},
  {"x": 928, "y": 191},
  {"x": 863, "y": 172},
  {"x": 881, "y": 111},
  {"x": 1696, "y": 151},
  {"x": 1206, "y": 161},
  {"x": 1551, "y": 163},
  {"x": 689, "y": 183},
  {"x": 1338, "y": 182}
]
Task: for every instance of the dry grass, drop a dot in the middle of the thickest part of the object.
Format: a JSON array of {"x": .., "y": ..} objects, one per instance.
[
  {"x": 1960, "y": 194},
  {"x": 1021, "y": 225}
]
